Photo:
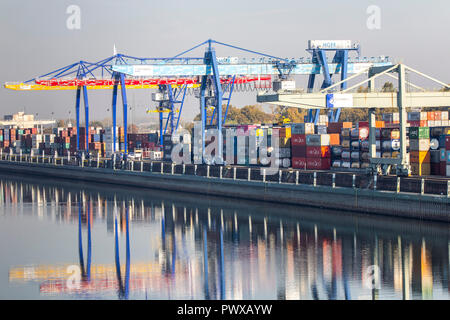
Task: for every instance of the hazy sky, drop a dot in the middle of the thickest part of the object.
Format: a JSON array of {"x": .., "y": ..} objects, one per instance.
[{"x": 35, "y": 39}]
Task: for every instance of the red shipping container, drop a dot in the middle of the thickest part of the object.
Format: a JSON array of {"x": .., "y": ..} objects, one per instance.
[
  {"x": 423, "y": 123},
  {"x": 298, "y": 140},
  {"x": 299, "y": 163},
  {"x": 414, "y": 123},
  {"x": 318, "y": 152},
  {"x": 363, "y": 124},
  {"x": 334, "y": 127},
  {"x": 447, "y": 142},
  {"x": 298, "y": 151},
  {"x": 318, "y": 163}
]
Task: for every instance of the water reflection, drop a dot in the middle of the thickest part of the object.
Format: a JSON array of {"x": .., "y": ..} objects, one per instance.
[{"x": 185, "y": 247}]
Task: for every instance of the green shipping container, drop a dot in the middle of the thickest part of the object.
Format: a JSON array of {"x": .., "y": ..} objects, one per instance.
[{"x": 419, "y": 133}]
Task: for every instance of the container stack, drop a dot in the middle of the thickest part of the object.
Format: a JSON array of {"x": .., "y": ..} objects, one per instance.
[
  {"x": 419, "y": 145},
  {"x": 108, "y": 139},
  {"x": 390, "y": 142},
  {"x": 437, "y": 142},
  {"x": 167, "y": 147},
  {"x": 345, "y": 148},
  {"x": 299, "y": 131},
  {"x": 334, "y": 129},
  {"x": 418, "y": 119},
  {"x": 358, "y": 157},
  {"x": 390, "y": 119},
  {"x": 84, "y": 135},
  {"x": 447, "y": 155},
  {"x": 428, "y": 119},
  {"x": 318, "y": 156},
  {"x": 264, "y": 141},
  {"x": 284, "y": 156},
  {"x": 241, "y": 143}
]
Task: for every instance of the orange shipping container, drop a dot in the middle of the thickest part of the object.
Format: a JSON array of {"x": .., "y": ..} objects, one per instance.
[
  {"x": 379, "y": 124},
  {"x": 334, "y": 139},
  {"x": 430, "y": 115},
  {"x": 347, "y": 125}
]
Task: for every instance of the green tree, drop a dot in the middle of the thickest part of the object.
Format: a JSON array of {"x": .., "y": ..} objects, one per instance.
[
  {"x": 445, "y": 89},
  {"x": 249, "y": 114},
  {"x": 96, "y": 123}
]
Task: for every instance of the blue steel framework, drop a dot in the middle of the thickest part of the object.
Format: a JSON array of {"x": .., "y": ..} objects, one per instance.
[
  {"x": 212, "y": 92},
  {"x": 169, "y": 107},
  {"x": 319, "y": 57},
  {"x": 99, "y": 70},
  {"x": 85, "y": 272}
]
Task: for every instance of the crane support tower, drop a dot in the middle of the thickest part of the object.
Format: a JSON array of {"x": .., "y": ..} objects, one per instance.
[{"x": 318, "y": 50}]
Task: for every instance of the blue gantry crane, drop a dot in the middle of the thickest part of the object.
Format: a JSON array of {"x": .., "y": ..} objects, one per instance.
[{"x": 212, "y": 72}]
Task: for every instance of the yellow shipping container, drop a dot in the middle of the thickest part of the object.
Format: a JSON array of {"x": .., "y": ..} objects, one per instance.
[
  {"x": 285, "y": 132},
  {"x": 420, "y": 169},
  {"x": 259, "y": 132},
  {"x": 420, "y": 157}
]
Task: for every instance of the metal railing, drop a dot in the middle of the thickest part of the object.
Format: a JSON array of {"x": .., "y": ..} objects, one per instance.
[{"x": 250, "y": 174}]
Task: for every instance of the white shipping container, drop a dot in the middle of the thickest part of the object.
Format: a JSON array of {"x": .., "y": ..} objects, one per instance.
[
  {"x": 302, "y": 128},
  {"x": 444, "y": 115},
  {"x": 318, "y": 140},
  {"x": 419, "y": 144},
  {"x": 448, "y": 170}
]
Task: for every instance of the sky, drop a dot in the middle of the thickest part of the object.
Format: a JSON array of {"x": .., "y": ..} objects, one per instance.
[{"x": 35, "y": 39}]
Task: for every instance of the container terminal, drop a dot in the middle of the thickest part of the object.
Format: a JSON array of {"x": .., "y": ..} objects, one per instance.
[{"x": 394, "y": 163}]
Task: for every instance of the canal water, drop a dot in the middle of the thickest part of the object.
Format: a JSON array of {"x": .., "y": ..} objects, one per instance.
[{"x": 63, "y": 240}]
